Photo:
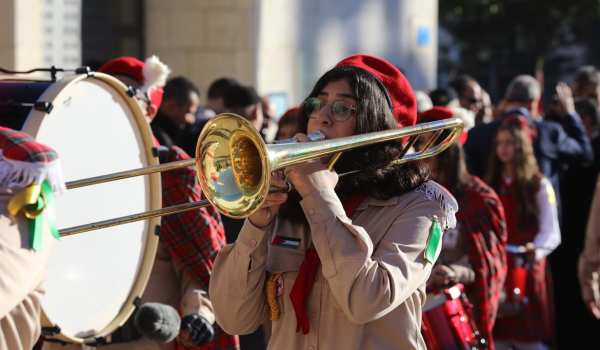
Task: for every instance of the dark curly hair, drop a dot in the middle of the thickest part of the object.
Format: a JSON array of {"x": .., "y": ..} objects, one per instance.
[{"x": 379, "y": 176}]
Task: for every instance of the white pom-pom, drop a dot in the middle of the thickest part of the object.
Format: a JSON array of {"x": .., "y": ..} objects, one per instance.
[
  {"x": 155, "y": 73},
  {"x": 467, "y": 117}
]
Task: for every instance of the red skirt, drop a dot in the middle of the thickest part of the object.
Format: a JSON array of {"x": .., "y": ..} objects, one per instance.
[{"x": 533, "y": 316}]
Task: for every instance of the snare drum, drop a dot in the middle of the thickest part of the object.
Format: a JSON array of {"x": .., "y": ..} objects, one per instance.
[
  {"x": 515, "y": 287},
  {"x": 516, "y": 281},
  {"x": 95, "y": 277},
  {"x": 447, "y": 325}
]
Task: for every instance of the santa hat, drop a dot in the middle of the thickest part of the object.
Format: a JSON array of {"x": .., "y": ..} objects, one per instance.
[
  {"x": 151, "y": 75},
  {"x": 444, "y": 112},
  {"x": 401, "y": 96},
  {"x": 24, "y": 162}
]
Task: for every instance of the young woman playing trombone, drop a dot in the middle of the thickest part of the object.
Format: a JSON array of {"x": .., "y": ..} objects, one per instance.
[{"x": 340, "y": 262}]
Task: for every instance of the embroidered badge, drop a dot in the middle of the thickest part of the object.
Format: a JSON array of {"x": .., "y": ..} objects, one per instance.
[
  {"x": 286, "y": 242},
  {"x": 274, "y": 290},
  {"x": 434, "y": 246}
]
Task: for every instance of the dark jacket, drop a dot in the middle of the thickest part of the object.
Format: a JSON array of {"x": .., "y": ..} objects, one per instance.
[
  {"x": 165, "y": 130},
  {"x": 556, "y": 146}
]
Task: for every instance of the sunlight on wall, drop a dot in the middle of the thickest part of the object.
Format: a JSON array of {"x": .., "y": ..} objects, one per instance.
[
  {"x": 373, "y": 34},
  {"x": 329, "y": 46}
]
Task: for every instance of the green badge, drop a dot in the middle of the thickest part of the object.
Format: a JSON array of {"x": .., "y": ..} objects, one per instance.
[
  {"x": 434, "y": 242},
  {"x": 44, "y": 218}
]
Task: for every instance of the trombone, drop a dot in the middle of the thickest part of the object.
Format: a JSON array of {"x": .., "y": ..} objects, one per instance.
[{"x": 233, "y": 164}]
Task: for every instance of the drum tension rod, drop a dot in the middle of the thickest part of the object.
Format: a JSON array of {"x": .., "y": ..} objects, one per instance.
[
  {"x": 131, "y": 91},
  {"x": 50, "y": 331},
  {"x": 43, "y": 106},
  {"x": 98, "y": 341},
  {"x": 137, "y": 302},
  {"x": 38, "y": 105}
]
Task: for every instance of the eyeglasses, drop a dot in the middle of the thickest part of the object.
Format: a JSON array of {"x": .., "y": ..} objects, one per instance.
[{"x": 340, "y": 111}]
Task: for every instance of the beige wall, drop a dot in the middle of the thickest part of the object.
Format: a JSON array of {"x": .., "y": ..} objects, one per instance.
[
  {"x": 301, "y": 39},
  {"x": 285, "y": 45},
  {"x": 20, "y": 34},
  {"x": 204, "y": 39},
  {"x": 7, "y": 34}
]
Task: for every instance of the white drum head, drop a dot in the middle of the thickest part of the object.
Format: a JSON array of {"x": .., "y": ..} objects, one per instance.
[{"x": 94, "y": 277}]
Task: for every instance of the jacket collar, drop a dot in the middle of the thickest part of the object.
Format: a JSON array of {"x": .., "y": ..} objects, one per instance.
[{"x": 370, "y": 201}]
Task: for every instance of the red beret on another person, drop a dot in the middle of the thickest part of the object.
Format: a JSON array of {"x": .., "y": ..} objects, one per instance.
[
  {"x": 290, "y": 114},
  {"x": 442, "y": 112},
  {"x": 401, "y": 94},
  {"x": 151, "y": 74}
]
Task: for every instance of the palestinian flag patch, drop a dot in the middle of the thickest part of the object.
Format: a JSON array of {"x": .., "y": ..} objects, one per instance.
[{"x": 286, "y": 242}]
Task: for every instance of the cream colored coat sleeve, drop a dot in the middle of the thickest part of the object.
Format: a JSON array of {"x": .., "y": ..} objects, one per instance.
[
  {"x": 366, "y": 281},
  {"x": 236, "y": 285},
  {"x": 589, "y": 260},
  {"x": 22, "y": 272},
  {"x": 463, "y": 270},
  {"x": 194, "y": 299},
  {"x": 20, "y": 328},
  {"x": 21, "y": 269}
]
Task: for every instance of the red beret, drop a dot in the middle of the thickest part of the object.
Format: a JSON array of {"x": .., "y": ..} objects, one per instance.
[
  {"x": 404, "y": 103},
  {"x": 134, "y": 69},
  {"x": 435, "y": 113},
  {"x": 440, "y": 113},
  {"x": 126, "y": 65}
]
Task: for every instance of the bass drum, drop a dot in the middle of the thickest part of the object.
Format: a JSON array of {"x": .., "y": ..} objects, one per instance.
[{"x": 94, "y": 278}]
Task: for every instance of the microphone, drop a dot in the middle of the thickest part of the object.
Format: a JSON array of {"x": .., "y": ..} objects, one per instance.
[{"x": 159, "y": 322}]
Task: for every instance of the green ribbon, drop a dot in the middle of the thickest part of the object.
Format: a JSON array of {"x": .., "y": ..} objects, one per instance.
[
  {"x": 434, "y": 242},
  {"x": 45, "y": 219}
]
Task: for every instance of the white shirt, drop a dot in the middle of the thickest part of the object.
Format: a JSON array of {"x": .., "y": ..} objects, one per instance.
[{"x": 548, "y": 236}]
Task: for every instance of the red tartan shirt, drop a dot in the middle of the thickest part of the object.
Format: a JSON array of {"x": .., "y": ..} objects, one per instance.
[
  {"x": 483, "y": 222},
  {"x": 193, "y": 238}
]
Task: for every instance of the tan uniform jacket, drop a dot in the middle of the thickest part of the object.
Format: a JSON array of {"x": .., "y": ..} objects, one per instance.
[
  {"x": 22, "y": 272},
  {"x": 589, "y": 260},
  {"x": 168, "y": 284},
  {"x": 370, "y": 287}
]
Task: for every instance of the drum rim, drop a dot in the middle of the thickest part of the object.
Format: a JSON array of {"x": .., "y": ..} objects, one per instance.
[{"x": 32, "y": 125}]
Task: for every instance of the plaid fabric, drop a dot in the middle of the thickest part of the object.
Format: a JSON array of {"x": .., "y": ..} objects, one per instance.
[
  {"x": 16, "y": 145},
  {"x": 193, "y": 238},
  {"x": 482, "y": 221}
]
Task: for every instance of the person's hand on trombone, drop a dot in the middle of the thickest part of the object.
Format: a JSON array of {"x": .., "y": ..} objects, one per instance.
[
  {"x": 269, "y": 209},
  {"x": 311, "y": 176}
]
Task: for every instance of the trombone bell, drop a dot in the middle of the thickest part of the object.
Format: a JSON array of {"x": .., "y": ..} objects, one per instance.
[{"x": 231, "y": 165}]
